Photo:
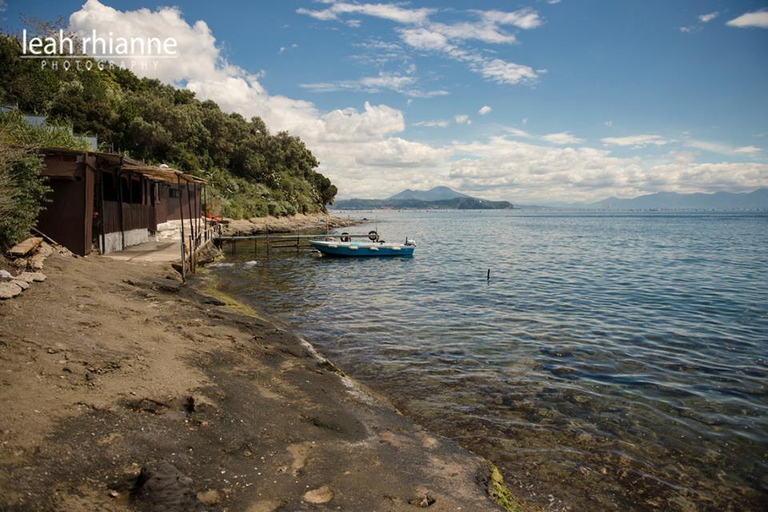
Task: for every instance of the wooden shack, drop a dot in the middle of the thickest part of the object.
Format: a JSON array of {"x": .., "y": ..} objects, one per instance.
[{"x": 109, "y": 202}]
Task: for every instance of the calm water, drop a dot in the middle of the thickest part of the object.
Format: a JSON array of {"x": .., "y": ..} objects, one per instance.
[{"x": 611, "y": 361}]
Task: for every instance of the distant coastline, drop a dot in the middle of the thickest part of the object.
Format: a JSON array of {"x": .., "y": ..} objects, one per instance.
[{"x": 444, "y": 198}]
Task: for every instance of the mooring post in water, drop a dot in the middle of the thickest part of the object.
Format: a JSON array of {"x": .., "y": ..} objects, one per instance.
[{"x": 488, "y": 277}]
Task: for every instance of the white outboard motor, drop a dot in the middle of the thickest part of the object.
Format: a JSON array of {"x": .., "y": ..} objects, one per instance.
[{"x": 410, "y": 242}]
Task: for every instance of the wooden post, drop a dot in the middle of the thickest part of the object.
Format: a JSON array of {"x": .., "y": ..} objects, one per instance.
[
  {"x": 267, "y": 243},
  {"x": 204, "y": 199},
  {"x": 197, "y": 220},
  {"x": 181, "y": 210},
  {"x": 298, "y": 239},
  {"x": 120, "y": 208},
  {"x": 101, "y": 212},
  {"x": 192, "y": 232}
]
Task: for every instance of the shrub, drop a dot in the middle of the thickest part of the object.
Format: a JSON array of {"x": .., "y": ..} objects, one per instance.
[{"x": 22, "y": 193}]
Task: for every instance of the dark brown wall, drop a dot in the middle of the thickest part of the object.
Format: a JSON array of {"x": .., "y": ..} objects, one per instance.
[
  {"x": 64, "y": 218},
  {"x": 173, "y": 208},
  {"x": 161, "y": 203}
]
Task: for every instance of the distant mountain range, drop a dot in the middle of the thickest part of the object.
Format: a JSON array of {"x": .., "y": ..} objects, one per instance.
[
  {"x": 433, "y": 194},
  {"x": 440, "y": 198},
  {"x": 447, "y": 198},
  {"x": 672, "y": 200}
]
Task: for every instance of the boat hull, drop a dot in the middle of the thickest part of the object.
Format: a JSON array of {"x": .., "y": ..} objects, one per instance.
[{"x": 356, "y": 249}]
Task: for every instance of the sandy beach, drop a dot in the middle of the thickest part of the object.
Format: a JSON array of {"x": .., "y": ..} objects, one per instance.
[{"x": 121, "y": 388}]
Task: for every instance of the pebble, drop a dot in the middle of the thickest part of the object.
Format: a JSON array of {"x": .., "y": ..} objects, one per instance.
[{"x": 322, "y": 495}]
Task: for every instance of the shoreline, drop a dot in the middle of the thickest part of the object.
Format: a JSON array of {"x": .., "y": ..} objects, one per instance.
[
  {"x": 123, "y": 389},
  {"x": 291, "y": 224}
]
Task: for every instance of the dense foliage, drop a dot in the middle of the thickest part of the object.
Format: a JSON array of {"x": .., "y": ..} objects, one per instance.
[
  {"x": 251, "y": 171},
  {"x": 22, "y": 189}
]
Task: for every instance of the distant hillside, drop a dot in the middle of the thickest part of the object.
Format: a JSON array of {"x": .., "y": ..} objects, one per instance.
[
  {"x": 434, "y": 194},
  {"x": 458, "y": 203},
  {"x": 672, "y": 200},
  {"x": 437, "y": 198}
]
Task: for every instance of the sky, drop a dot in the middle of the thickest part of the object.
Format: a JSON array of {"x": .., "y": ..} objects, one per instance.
[{"x": 533, "y": 102}]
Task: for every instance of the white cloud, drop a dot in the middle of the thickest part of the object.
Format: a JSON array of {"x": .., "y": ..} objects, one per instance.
[
  {"x": 485, "y": 109},
  {"x": 198, "y": 54},
  {"x": 3, "y": 6},
  {"x": 516, "y": 132},
  {"x": 440, "y": 123},
  {"x": 504, "y": 72},
  {"x": 747, "y": 150},
  {"x": 486, "y": 32},
  {"x": 374, "y": 84},
  {"x": 562, "y": 138},
  {"x": 636, "y": 141},
  {"x": 463, "y": 119},
  {"x": 757, "y": 19},
  {"x": 373, "y": 123},
  {"x": 506, "y": 169},
  {"x": 720, "y": 148},
  {"x": 422, "y": 33},
  {"x": 390, "y": 12},
  {"x": 553, "y": 1},
  {"x": 703, "y": 19},
  {"x": 424, "y": 39},
  {"x": 524, "y": 18},
  {"x": 608, "y": 123}
]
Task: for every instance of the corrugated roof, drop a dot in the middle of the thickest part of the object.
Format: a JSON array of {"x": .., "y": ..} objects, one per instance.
[
  {"x": 127, "y": 164},
  {"x": 162, "y": 174}
]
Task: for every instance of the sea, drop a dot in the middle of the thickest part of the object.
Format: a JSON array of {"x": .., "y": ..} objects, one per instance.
[{"x": 610, "y": 360}]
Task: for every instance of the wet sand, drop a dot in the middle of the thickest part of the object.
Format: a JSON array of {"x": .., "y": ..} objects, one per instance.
[{"x": 121, "y": 388}]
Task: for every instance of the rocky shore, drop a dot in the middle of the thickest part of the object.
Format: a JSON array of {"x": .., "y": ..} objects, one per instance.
[
  {"x": 122, "y": 389},
  {"x": 316, "y": 222}
]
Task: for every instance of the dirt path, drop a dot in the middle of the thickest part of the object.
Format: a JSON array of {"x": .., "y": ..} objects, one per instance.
[{"x": 121, "y": 389}]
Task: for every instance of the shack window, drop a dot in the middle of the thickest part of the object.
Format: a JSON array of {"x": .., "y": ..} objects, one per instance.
[
  {"x": 174, "y": 192},
  {"x": 110, "y": 186},
  {"x": 136, "y": 192},
  {"x": 125, "y": 188}
]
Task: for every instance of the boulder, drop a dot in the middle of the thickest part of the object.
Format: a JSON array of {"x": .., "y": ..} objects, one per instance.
[
  {"x": 45, "y": 249},
  {"x": 21, "y": 284},
  {"x": 36, "y": 262},
  {"x": 32, "y": 276},
  {"x": 9, "y": 290},
  {"x": 5, "y": 275}
]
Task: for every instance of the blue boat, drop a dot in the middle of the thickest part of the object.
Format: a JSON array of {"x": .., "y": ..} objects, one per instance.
[{"x": 344, "y": 246}]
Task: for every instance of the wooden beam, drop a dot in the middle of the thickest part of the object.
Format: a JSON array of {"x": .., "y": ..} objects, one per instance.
[{"x": 25, "y": 247}]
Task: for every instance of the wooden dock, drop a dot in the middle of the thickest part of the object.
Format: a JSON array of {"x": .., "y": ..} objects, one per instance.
[{"x": 269, "y": 241}]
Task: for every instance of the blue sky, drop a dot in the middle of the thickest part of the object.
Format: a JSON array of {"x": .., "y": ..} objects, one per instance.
[{"x": 569, "y": 100}]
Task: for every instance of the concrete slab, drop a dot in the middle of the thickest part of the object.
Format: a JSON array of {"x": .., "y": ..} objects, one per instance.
[{"x": 161, "y": 252}]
